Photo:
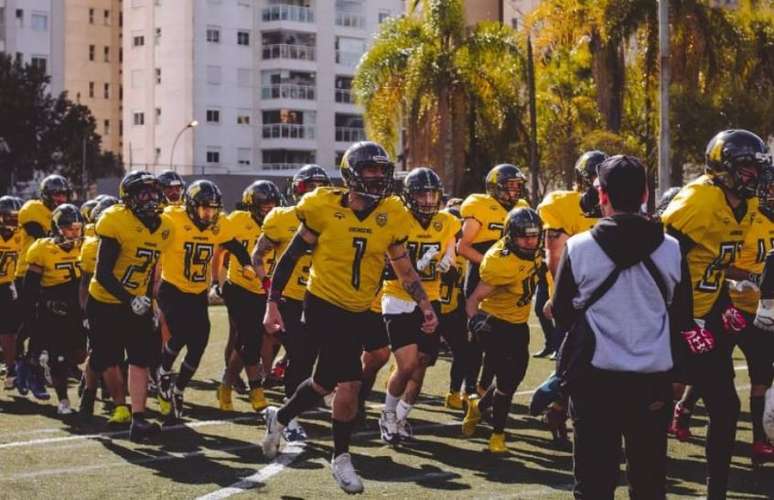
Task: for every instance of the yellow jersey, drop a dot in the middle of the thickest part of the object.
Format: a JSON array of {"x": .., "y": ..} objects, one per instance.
[
  {"x": 279, "y": 226},
  {"x": 514, "y": 279},
  {"x": 9, "y": 255},
  {"x": 348, "y": 260},
  {"x": 88, "y": 231},
  {"x": 140, "y": 250},
  {"x": 451, "y": 291},
  {"x": 561, "y": 211},
  {"x": 89, "y": 251},
  {"x": 700, "y": 213},
  {"x": 186, "y": 262},
  {"x": 439, "y": 232},
  {"x": 490, "y": 214},
  {"x": 759, "y": 242},
  {"x": 246, "y": 230},
  {"x": 32, "y": 211},
  {"x": 376, "y": 305},
  {"x": 59, "y": 266}
]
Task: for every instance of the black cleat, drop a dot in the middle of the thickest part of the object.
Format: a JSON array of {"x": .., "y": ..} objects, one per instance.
[{"x": 142, "y": 430}]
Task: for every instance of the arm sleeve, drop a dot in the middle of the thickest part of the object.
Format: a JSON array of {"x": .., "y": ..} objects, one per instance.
[
  {"x": 237, "y": 250},
  {"x": 34, "y": 229},
  {"x": 565, "y": 289},
  {"x": 107, "y": 256},
  {"x": 286, "y": 264}
]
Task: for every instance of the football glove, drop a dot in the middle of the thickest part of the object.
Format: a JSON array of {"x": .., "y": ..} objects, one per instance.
[
  {"x": 699, "y": 339},
  {"x": 733, "y": 320},
  {"x": 446, "y": 263},
  {"x": 140, "y": 305},
  {"x": 478, "y": 325},
  {"x": 14, "y": 292},
  {"x": 424, "y": 261},
  {"x": 768, "y": 414},
  {"x": 744, "y": 286},
  {"x": 764, "y": 316},
  {"x": 215, "y": 292}
]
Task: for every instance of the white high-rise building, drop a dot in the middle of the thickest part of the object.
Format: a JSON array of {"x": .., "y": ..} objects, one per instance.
[{"x": 243, "y": 86}]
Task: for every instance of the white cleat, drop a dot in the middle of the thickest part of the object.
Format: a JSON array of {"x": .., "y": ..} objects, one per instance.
[
  {"x": 345, "y": 475},
  {"x": 405, "y": 431},
  {"x": 64, "y": 408},
  {"x": 388, "y": 426},
  {"x": 272, "y": 439}
]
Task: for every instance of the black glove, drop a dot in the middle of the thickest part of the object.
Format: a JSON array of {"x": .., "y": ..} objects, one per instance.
[{"x": 478, "y": 325}]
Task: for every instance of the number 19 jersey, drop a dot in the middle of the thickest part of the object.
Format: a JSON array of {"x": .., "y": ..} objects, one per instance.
[
  {"x": 140, "y": 250},
  {"x": 348, "y": 260}
]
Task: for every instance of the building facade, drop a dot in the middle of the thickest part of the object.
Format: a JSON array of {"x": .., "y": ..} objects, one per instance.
[{"x": 243, "y": 86}]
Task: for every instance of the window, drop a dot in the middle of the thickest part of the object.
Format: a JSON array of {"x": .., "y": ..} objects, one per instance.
[
  {"x": 91, "y": 16},
  {"x": 213, "y": 75},
  {"x": 136, "y": 78},
  {"x": 38, "y": 62},
  {"x": 515, "y": 23},
  {"x": 138, "y": 40},
  {"x": 19, "y": 18},
  {"x": 158, "y": 116},
  {"x": 243, "y": 38},
  {"x": 39, "y": 22},
  {"x": 243, "y": 156},
  {"x": 213, "y": 155},
  {"x": 106, "y": 127},
  {"x": 92, "y": 50},
  {"x": 158, "y": 76},
  {"x": 106, "y": 91},
  {"x": 383, "y": 15},
  {"x": 106, "y": 52},
  {"x": 243, "y": 117},
  {"x": 157, "y": 38},
  {"x": 244, "y": 77},
  {"x": 139, "y": 118},
  {"x": 213, "y": 34},
  {"x": 91, "y": 89},
  {"x": 106, "y": 17},
  {"x": 213, "y": 116},
  {"x": 157, "y": 152}
]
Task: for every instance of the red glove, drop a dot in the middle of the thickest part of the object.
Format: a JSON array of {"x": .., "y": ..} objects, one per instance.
[
  {"x": 266, "y": 284},
  {"x": 733, "y": 320},
  {"x": 699, "y": 339}
]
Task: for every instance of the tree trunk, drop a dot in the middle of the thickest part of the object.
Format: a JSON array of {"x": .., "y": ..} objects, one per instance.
[
  {"x": 609, "y": 74},
  {"x": 446, "y": 139}
]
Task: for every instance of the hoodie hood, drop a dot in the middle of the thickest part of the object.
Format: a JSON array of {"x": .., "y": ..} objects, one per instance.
[{"x": 628, "y": 238}]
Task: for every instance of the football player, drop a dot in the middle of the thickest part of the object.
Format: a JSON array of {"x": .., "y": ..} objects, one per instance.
[
  {"x": 508, "y": 277},
  {"x": 35, "y": 222},
  {"x": 711, "y": 217},
  {"x": 348, "y": 232},
  {"x": 172, "y": 186},
  {"x": 132, "y": 237},
  {"x": 50, "y": 304},
  {"x": 483, "y": 216},
  {"x": 431, "y": 239},
  {"x": 86, "y": 208},
  {"x": 10, "y": 247},
  {"x": 185, "y": 278},
  {"x": 245, "y": 297},
  {"x": 279, "y": 227}
]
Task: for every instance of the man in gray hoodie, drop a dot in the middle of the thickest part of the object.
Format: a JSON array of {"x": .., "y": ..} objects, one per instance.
[{"x": 622, "y": 286}]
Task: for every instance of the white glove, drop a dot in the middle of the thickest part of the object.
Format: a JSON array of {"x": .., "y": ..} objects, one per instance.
[
  {"x": 446, "y": 263},
  {"x": 744, "y": 286},
  {"x": 140, "y": 305},
  {"x": 86, "y": 323},
  {"x": 14, "y": 292},
  {"x": 764, "y": 316},
  {"x": 215, "y": 292},
  {"x": 424, "y": 261},
  {"x": 768, "y": 414}
]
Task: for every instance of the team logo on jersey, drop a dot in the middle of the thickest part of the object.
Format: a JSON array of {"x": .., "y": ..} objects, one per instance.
[
  {"x": 437, "y": 226},
  {"x": 165, "y": 234},
  {"x": 381, "y": 219},
  {"x": 215, "y": 229},
  {"x": 339, "y": 215}
]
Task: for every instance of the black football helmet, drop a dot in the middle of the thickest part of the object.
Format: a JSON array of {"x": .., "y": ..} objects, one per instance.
[
  {"x": 203, "y": 194},
  {"x": 666, "y": 199},
  {"x": 9, "y": 213},
  {"x": 586, "y": 168},
  {"x": 523, "y": 223},
  {"x": 105, "y": 203},
  {"x": 54, "y": 185},
  {"x": 359, "y": 156},
  {"x": 422, "y": 180},
  {"x": 172, "y": 185},
  {"x": 66, "y": 216},
  {"x": 86, "y": 208},
  {"x": 307, "y": 179},
  {"x": 259, "y": 198},
  {"x": 498, "y": 184},
  {"x": 141, "y": 193},
  {"x": 731, "y": 151}
]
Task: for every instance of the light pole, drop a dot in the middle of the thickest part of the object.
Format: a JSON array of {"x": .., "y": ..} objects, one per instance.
[{"x": 191, "y": 124}]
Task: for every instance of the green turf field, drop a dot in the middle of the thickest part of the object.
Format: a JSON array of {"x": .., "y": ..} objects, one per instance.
[{"x": 42, "y": 456}]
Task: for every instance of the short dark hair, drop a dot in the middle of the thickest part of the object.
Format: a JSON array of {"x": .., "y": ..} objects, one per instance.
[{"x": 624, "y": 179}]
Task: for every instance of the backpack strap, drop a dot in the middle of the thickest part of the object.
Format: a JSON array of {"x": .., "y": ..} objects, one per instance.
[
  {"x": 657, "y": 277},
  {"x": 602, "y": 289}
]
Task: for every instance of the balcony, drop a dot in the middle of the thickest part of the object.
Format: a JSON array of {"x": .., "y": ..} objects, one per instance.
[
  {"x": 349, "y": 59},
  {"x": 350, "y": 134},
  {"x": 288, "y": 131},
  {"x": 283, "y": 12},
  {"x": 349, "y": 20},
  {"x": 286, "y": 51},
  {"x": 345, "y": 96},
  {"x": 288, "y": 91},
  {"x": 281, "y": 166}
]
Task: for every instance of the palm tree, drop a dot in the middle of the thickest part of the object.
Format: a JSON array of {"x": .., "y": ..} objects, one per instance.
[{"x": 424, "y": 69}]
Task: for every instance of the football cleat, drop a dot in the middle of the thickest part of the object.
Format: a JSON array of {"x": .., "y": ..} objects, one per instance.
[
  {"x": 294, "y": 432},
  {"x": 405, "y": 431},
  {"x": 64, "y": 408},
  {"x": 164, "y": 395},
  {"x": 224, "y": 398},
  {"x": 258, "y": 399},
  {"x": 388, "y": 426},
  {"x": 22, "y": 377},
  {"x": 680, "y": 425},
  {"x": 762, "y": 452},
  {"x": 453, "y": 400},
  {"x": 38, "y": 386},
  {"x": 497, "y": 443},
  {"x": 45, "y": 367},
  {"x": 273, "y": 438},
  {"x": 240, "y": 386},
  {"x": 141, "y": 430},
  {"x": 472, "y": 418},
  {"x": 120, "y": 416},
  {"x": 345, "y": 475},
  {"x": 177, "y": 403}
]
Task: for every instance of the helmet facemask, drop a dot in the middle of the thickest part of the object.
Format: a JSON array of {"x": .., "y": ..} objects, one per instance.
[
  {"x": 9, "y": 220},
  {"x": 145, "y": 202},
  {"x": 526, "y": 243},
  {"x": 424, "y": 204},
  {"x": 509, "y": 192},
  {"x": 364, "y": 181}
]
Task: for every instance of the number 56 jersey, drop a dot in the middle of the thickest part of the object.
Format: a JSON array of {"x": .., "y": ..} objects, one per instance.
[
  {"x": 701, "y": 214},
  {"x": 140, "y": 250},
  {"x": 348, "y": 260}
]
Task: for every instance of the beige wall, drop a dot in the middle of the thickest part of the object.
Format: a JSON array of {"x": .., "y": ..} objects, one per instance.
[
  {"x": 482, "y": 10},
  {"x": 79, "y": 70}
]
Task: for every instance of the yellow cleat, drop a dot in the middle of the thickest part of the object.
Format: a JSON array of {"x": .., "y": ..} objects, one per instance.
[
  {"x": 165, "y": 405},
  {"x": 497, "y": 443},
  {"x": 257, "y": 399},
  {"x": 453, "y": 400},
  {"x": 224, "y": 398},
  {"x": 120, "y": 416},
  {"x": 472, "y": 418}
]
